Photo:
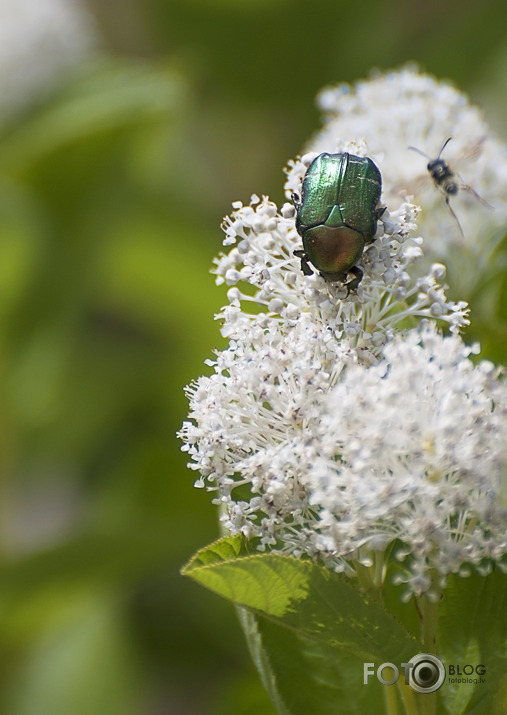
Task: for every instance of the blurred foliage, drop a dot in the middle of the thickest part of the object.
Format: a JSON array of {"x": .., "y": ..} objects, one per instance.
[{"x": 112, "y": 190}]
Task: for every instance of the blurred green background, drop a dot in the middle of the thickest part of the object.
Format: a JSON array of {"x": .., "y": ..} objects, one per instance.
[{"x": 114, "y": 178}]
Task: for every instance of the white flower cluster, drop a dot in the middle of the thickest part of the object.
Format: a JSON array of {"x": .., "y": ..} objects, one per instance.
[
  {"x": 416, "y": 452},
  {"x": 316, "y": 454},
  {"x": 263, "y": 260},
  {"x": 39, "y": 42},
  {"x": 334, "y": 425}
]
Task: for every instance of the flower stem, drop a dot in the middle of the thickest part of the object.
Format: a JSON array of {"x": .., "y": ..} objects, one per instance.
[
  {"x": 427, "y": 703},
  {"x": 429, "y": 612},
  {"x": 408, "y": 698},
  {"x": 368, "y": 579},
  {"x": 391, "y": 700}
]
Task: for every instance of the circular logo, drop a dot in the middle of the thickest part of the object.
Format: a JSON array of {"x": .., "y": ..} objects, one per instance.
[{"x": 427, "y": 673}]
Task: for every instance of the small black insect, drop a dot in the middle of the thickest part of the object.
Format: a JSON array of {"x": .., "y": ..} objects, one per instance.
[{"x": 446, "y": 180}]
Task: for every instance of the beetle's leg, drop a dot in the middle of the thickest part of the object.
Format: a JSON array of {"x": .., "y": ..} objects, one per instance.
[
  {"x": 296, "y": 200},
  {"x": 455, "y": 217},
  {"x": 379, "y": 212},
  {"x": 305, "y": 266},
  {"x": 354, "y": 283}
]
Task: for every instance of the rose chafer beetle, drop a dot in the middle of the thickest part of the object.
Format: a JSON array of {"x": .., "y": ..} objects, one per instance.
[{"x": 337, "y": 215}]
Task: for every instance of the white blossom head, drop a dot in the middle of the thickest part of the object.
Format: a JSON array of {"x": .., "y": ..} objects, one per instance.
[
  {"x": 391, "y": 112},
  {"x": 414, "y": 450},
  {"x": 268, "y": 285},
  {"x": 316, "y": 454}
]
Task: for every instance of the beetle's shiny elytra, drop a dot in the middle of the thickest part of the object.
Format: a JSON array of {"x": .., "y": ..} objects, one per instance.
[
  {"x": 446, "y": 181},
  {"x": 337, "y": 215}
]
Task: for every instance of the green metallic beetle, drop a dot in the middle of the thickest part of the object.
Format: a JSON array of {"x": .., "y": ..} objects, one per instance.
[{"x": 337, "y": 215}]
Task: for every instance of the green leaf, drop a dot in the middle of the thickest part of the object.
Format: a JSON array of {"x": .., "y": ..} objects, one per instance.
[
  {"x": 303, "y": 596},
  {"x": 304, "y": 676},
  {"x": 309, "y": 630},
  {"x": 219, "y": 551},
  {"x": 473, "y": 631}
]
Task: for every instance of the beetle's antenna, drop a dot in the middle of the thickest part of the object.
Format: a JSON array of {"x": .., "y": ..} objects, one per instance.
[
  {"x": 413, "y": 148},
  {"x": 446, "y": 142}
]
